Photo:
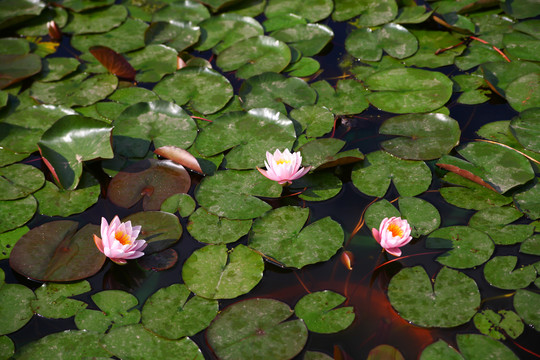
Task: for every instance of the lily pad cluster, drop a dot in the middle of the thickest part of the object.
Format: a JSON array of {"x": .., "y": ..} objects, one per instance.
[{"x": 169, "y": 106}]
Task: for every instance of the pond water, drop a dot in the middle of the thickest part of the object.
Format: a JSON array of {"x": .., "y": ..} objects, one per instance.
[{"x": 348, "y": 196}]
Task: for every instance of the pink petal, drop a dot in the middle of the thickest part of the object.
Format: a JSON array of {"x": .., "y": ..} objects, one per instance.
[
  {"x": 98, "y": 243},
  {"x": 376, "y": 235},
  {"x": 394, "y": 251}
]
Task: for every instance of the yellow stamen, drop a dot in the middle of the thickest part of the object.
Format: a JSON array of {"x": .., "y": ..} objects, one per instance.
[
  {"x": 282, "y": 161},
  {"x": 122, "y": 237},
  {"x": 395, "y": 230}
]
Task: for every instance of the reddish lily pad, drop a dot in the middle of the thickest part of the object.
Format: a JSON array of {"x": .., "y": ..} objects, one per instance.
[
  {"x": 14, "y": 68},
  {"x": 180, "y": 156},
  {"x": 56, "y": 251},
  {"x": 159, "y": 261},
  {"x": 151, "y": 180}
]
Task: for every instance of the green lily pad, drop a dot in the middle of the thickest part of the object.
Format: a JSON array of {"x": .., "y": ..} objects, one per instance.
[
  {"x": 319, "y": 186},
  {"x": 70, "y": 141},
  {"x": 15, "y": 213},
  {"x": 394, "y": 39},
  {"x": 178, "y": 35},
  {"x": 256, "y": 328},
  {"x": 527, "y": 201},
  {"x": 233, "y": 194},
  {"x": 81, "y": 5},
  {"x": 134, "y": 341},
  {"x": 440, "y": 350},
  {"x": 7, "y": 348},
  {"x": 406, "y": 90},
  {"x": 160, "y": 122},
  {"x": 451, "y": 302},
  {"x": 8, "y": 240},
  {"x": 184, "y": 10},
  {"x": 214, "y": 272},
  {"x": 127, "y": 37},
  {"x": 374, "y": 175},
  {"x": 19, "y": 180},
  {"x": 469, "y": 247},
  {"x": 531, "y": 245},
  {"x": 13, "y": 13},
  {"x": 315, "y": 120},
  {"x": 501, "y": 272},
  {"x": 14, "y": 68},
  {"x": 521, "y": 9},
  {"x": 282, "y": 21},
  {"x": 54, "y": 201},
  {"x": 222, "y": 31},
  {"x": 522, "y": 46},
  {"x": 526, "y": 129},
  {"x": 65, "y": 254},
  {"x": 153, "y": 62},
  {"x": 309, "y": 39},
  {"x": 170, "y": 314},
  {"x": 306, "y": 66},
  {"x": 280, "y": 235},
  {"x": 476, "y": 346},
  {"x": 254, "y": 56},
  {"x": 347, "y": 99},
  {"x": 161, "y": 230},
  {"x": 272, "y": 90},
  {"x": 76, "y": 90},
  {"x": 204, "y": 89},
  {"x": 385, "y": 352},
  {"x": 522, "y": 93},
  {"x": 53, "y": 299},
  {"x": 496, "y": 325},
  {"x": 55, "y": 69},
  {"x": 526, "y": 305},
  {"x": 322, "y": 153},
  {"x": 499, "y": 74},
  {"x": 14, "y": 46},
  {"x": 240, "y": 131},
  {"x": 421, "y": 215},
  {"x": 211, "y": 229},
  {"x": 379, "y": 210},
  {"x": 15, "y": 309},
  {"x": 183, "y": 203},
  {"x": 412, "y": 14},
  {"x": 316, "y": 11},
  {"x": 72, "y": 344},
  {"x": 429, "y": 41},
  {"x": 316, "y": 355},
  {"x": 318, "y": 310},
  {"x": 117, "y": 309},
  {"x": 37, "y": 25},
  {"x": 371, "y": 13},
  {"x": 420, "y": 137},
  {"x": 494, "y": 222},
  {"x": 99, "y": 20}
]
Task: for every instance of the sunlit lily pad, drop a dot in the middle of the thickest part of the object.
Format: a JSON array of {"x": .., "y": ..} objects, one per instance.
[
  {"x": 421, "y": 215},
  {"x": 153, "y": 62},
  {"x": 14, "y": 68},
  {"x": 183, "y": 10},
  {"x": 204, "y": 89},
  {"x": 134, "y": 341},
  {"x": 7, "y": 348},
  {"x": 499, "y": 74},
  {"x": 53, "y": 299},
  {"x": 13, "y": 13},
  {"x": 81, "y": 5},
  {"x": 317, "y": 9},
  {"x": 476, "y": 346},
  {"x": 19, "y": 180},
  {"x": 241, "y": 132},
  {"x": 309, "y": 39},
  {"x": 38, "y": 25},
  {"x": 272, "y": 90},
  {"x": 440, "y": 350},
  {"x": 65, "y": 254},
  {"x": 315, "y": 120},
  {"x": 211, "y": 229},
  {"x": 348, "y": 98},
  {"x": 117, "y": 308},
  {"x": 15, "y": 213},
  {"x": 322, "y": 153},
  {"x": 96, "y": 21},
  {"x": 183, "y": 203},
  {"x": 280, "y": 234},
  {"x": 379, "y": 210},
  {"x": 256, "y": 328},
  {"x": 501, "y": 272},
  {"x": 420, "y": 137},
  {"x": 220, "y": 32},
  {"x": 372, "y": 13},
  {"x": 494, "y": 222},
  {"x": 374, "y": 175},
  {"x": 452, "y": 300},
  {"x": 160, "y": 229},
  {"x": 526, "y": 128},
  {"x": 496, "y": 325},
  {"x": 57, "y": 68},
  {"x": 526, "y": 305},
  {"x": 318, "y": 186},
  {"x": 254, "y": 56},
  {"x": 522, "y": 46},
  {"x": 318, "y": 310},
  {"x": 527, "y": 200},
  {"x": 232, "y": 194},
  {"x": 306, "y": 66},
  {"x": 522, "y": 93},
  {"x": 8, "y": 240},
  {"x": 214, "y": 272},
  {"x": 408, "y": 90},
  {"x": 74, "y": 344},
  {"x": 282, "y": 21},
  {"x": 160, "y": 122},
  {"x": 15, "y": 309},
  {"x": 394, "y": 39},
  {"x": 70, "y": 141},
  {"x": 170, "y": 314},
  {"x": 531, "y": 245},
  {"x": 469, "y": 247}
]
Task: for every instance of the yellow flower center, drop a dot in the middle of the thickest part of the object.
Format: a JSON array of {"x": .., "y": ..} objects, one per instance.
[
  {"x": 395, "y": 230},
  {"x": 122, "y": 237},
  {"x": 283, "y": 161}
]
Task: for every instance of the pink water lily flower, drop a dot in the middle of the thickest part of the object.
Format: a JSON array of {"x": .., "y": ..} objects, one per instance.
[
  {"x": 284, "y": 167},
  {"x": 393, "y": 233},
  {"x": 118, "y": 241}
]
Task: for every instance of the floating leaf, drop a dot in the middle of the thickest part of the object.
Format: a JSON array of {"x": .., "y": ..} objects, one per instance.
[
  {"x": 323, "y": 153},
  {"x": 317, "y": 186},
  {"x": 476, "y": 346},
  {"x": 254, "y": 56},
  {"x": 212, "y": 229},
  {"x": 96, "y": 21},
  {"x": 309, "y": 39},
  {"x": 348, "y": 98},
  {"x": 57, "y": 68},
  {"x": 453, "y": 300},
  {"x": 178, "y": 35},
  {"x": 501, "y": 272},
  {"x": 421, "y": 215},
  {"x": 15, "y": 213},
  {"x": 13, "y": 13},
  {"x": 372, "y": 14},
  {"x": 7, "y": 348},
  {"x": 379, "y": 210},
  {"x": 256, "y": 328},
  {"x": 522, "y": 93},
  {"x": 318, "y": 310},
  {"x": 531, "y": 245},
  {"x": 14, "y": 68},
  {"x": 469, "y": 247},
  {"x": 159, "y": 261},
  {"x": 183, "y": 203},
  {"x": 153, "y": 62},
  {"x": 374, "y": 175},
  {"x": 280, "y": 235},
  {"x": 116, "y": 310},
  {"x": 526, "y": 305},
  {"x": 115, "y": 63},
  {"x": 499, "y": 74},
  {"x": 526, "y": 129},
  {"x": 440, "y": 350},
  {"x": 19, "y": 180},
  {"x": 170, "y": 314},
  {"x": 315, "y": 120},
  {"x": 8, "y": 240},
  {"x": 316, "y": 11},
  {"x": 240, "y": 131},
  {"x": 385, "y": 352},
  {"x": 493, "y": 221},
  {"x": 151, "y": 180},
  {"x": 184, "y": 10},
  {"x": 394, "y": 39},
  {"x": 497, "y": 324},
  {"x": 161, "y": 122},
  {"x": 429, "y": 42},
  {"x": 306, "y": 66},
  {"x": 53, "y": 299},
  {"x": 527, "y": 201},
  {"x": 180, "y": 156},
  {"x": 65, "y": 254},
  {"x": 15, "y": 309},
  {"x": 214, "y": 272},
  {"x": 160, "y": 229}
]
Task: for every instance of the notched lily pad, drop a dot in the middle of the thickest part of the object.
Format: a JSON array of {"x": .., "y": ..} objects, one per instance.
[
  {"x": 348, "y": 98},
  {"x": 318, "y": 310},
  {"x": 324, "y": 153},
  {"x": 501, "y": 272},
  {"x": 526, "y": 305},
  {"x": 183, "y": 203},
  {"x": 15, "y": 213},
  {"x": 212, "y": 229},
  {"x": 497, "y": 324},
  {"x": 19, "y": 180},
  {"x": 159, "y": 229},
  {"x": 53, "y": 299},
  {"x": 15, "y": 308}
]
